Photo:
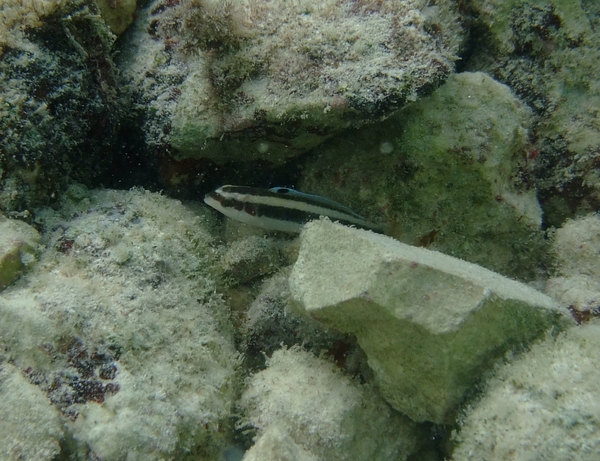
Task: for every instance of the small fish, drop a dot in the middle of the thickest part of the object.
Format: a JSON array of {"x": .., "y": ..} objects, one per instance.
[{"x": 280, "y": 208}]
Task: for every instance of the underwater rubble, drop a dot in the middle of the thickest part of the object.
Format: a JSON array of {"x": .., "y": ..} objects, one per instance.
[{"x": 137, "y": 324}]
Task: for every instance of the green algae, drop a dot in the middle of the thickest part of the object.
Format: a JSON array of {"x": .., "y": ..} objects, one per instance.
[{"x": 448, "y": 172}]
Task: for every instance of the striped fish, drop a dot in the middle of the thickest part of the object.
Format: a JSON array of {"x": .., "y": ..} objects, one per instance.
[{"x": 280, "y": 208}]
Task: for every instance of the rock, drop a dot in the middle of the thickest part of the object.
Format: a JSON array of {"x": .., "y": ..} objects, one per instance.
[
  {"x": 322, "y": 413},
  {"x": 60, "y": 103},
  {"x": 576, "y": 246},
  {"x": 542, "y": 405},
  {"x": 576, "y": 283},
  {"x": 447, "y": 172},
  {"x": 273, "y": 321},
  {"x": 119, "y": 324},
  {"x": 430, "y": 324},
  {"x": 118, "y": 14},
  {"x": 19, "y": 244},
  {"x": 239, "y": 81},
  {"x": 250, "y": 258},
  {"x": 17, "y": 16},
  {"x": 546, "y": 52},
  {"x": 30, "y": 426},
  {"x": 276, "y": 445}
]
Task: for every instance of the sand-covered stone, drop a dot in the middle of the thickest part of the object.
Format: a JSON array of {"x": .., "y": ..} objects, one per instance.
[
  {"x": 275, "y": 445},
  {"x": 249, "y": 258},
  {"x": 576, "y": 282},
  {"x": 429, "y": 323}
]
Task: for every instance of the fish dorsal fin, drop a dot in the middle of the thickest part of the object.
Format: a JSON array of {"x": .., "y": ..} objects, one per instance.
[{"x": 316, "y": 199}]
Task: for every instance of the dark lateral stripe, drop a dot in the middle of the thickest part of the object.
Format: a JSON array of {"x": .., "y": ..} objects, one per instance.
[{"x": 287, "y": 214}]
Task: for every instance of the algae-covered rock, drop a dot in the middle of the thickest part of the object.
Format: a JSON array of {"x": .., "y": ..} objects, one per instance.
[
  {"x": 60, "y": 105},
  {"x": 430, "y": 324},
  {"x": 273, "y": 320},
  {"x": 542, "y": 405},
  {"x": 547, "y": 51},
  {"x": 118, "y": 14},
  {"x": 323, "y": 412},
  {"x": 243, "y": 81},
  {"x": 276, "y": 445},
  {"x": 249, "y": 258},
  {"x": 19, "y": 244},
  {"x": 576, "y": 283},
  {"x": 119, "y": 324},
  {"x": 30, "y": 426},
  {"x": 448, "y": 172}
]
